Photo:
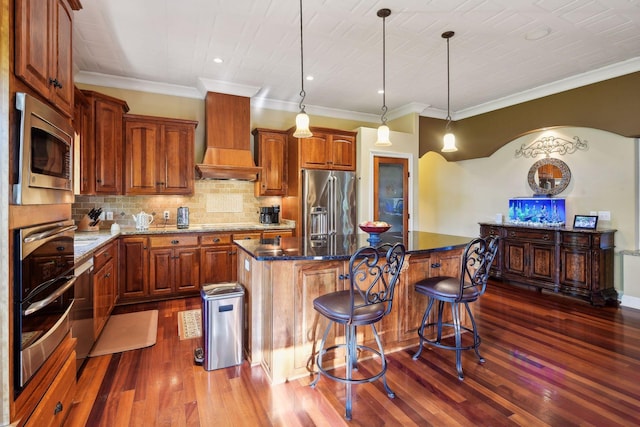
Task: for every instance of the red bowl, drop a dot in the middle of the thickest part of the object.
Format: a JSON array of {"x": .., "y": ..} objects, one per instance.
[{"x": 374, "y": 229}]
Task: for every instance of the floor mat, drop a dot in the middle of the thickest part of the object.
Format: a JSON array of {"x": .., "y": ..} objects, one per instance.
[
  {"x": 128, "y": 331},
  {"x": 190, "y": 324}
]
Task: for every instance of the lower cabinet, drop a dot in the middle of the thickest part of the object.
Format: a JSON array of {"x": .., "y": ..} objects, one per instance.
[
  {"x": 575, "y": 262},
  {"x": 105, "y": 285},
  {"x": 411, "y": 305},
  {"x": 163, "y": 266},
  {"x": 174, "y": 264},
  {"x": 55, "y": 406}
]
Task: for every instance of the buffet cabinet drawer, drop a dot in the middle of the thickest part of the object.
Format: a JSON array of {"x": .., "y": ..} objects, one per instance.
[
  {"x": 531, "y": 235},
  {"x": 104, "y": 255},
  {"x": 55, "y": 406},
  {"x": 575, "y": 239},
  {"x": 172, "y": 240},
  {"x": 215, "y": 239}
]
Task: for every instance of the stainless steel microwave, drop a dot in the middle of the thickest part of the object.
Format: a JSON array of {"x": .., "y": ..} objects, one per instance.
[{"x": 45, "y": 159}]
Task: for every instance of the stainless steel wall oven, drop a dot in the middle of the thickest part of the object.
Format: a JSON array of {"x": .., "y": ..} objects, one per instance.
[{"x": 43, "y": 294}]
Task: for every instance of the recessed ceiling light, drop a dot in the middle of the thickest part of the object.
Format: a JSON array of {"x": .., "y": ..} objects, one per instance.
[
  {"x": 538, "y": 33},
  {"x": 380, "y": 91},
  {"x": 218, "y": 60},
  {"x": 309, "y": 78}
]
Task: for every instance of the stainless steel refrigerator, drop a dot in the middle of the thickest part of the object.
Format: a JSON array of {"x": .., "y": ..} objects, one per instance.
[{"x": 328, "y": 203}]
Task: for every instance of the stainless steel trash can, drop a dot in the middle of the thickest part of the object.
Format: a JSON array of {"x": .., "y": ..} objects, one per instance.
[{"x": 222, "y": 324}]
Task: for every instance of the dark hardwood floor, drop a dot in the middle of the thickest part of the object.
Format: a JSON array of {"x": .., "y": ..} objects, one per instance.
[{"x": 550, "y": 360}]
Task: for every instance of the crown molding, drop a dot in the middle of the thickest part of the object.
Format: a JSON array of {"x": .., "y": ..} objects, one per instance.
[
  {"x": 584, "y": 79},
  {"x": 108, "y": 80}
]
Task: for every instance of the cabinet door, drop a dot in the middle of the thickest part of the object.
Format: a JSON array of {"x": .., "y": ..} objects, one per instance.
[
  {"x": 186, "y": 269},
  {"x": 82, "y": 123},
  {"x": 343, "y": 152},
  {"x": 175, "y": 168},
  {"x": 134, "y": 268},
  {"x": 576, "y": 267},
  {"x": 62, "y": 90},
  {"x": 161, "y": 272},
  {"x": 103, "y": 298},
  {"x": 108, "y": 144},
  {"x": 142, "y": 154},
  {"x": 515, "y": 256},
  {"x": 312, "y": 280},
  {"x": 271, "y": 150},
  {"x": 216, "y": 265},
  {"x": 315, "y": 151},
  {"x": 33, "y": 51},
  {"x": 542, "y": 262}
]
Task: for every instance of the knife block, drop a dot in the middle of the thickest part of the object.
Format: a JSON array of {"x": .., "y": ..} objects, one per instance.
[{"x": 83, "y": 225}]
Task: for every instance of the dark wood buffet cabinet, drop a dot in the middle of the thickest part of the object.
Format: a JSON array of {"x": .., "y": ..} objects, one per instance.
[{"x": 571, "y": 261}]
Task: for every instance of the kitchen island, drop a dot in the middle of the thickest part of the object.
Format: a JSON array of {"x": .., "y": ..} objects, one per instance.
[{"x": 283, "y": 276}]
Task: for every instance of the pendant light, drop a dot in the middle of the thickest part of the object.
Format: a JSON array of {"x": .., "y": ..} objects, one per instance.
[
  {"x": 449, "y": 137},
  {"x": 383, "y": 130},
  {"x": 302, "y": 120}
]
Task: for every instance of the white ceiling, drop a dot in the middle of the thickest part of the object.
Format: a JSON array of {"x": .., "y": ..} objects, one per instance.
[{"x": 169, "y": 46}]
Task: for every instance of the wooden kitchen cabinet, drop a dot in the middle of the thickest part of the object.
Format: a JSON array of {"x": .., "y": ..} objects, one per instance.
[
  {"x": 159, "y": 155},
  {"x": 326, "y": 149},
  {"x": 84, "y": 156},
  {"x": 105, "y": 285},
  {"x": 105, "y": 137},
  {"x": 575, "y": 262},
  {"x": 216, "y": 256},
  {"x": 410, "y": 304},
  {"x": 43, "y": 49},
  {"x": 270, "y": 153},
  {"x": 174, "y": 264},
  {"x": 134, "y": 268}
]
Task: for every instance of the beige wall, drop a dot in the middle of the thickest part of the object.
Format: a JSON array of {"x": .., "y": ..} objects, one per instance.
[{"x": 455, "y": 196}]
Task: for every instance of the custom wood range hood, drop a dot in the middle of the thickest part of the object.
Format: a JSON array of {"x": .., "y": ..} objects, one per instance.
[{"x": 228, "y": 137}]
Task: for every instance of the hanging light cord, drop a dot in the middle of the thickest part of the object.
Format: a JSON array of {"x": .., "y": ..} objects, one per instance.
[
  {"x": 303, "y": 94},
  {"x": 384, "y": 76},
  {"x": 448, "y": 118}
]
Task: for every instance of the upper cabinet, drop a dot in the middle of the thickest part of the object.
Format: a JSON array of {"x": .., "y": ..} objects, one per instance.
[
  {"x": 43, "y": 49},
  {"x": 270, "y": 153},
  {"x": 326, "y": 149},
  {"x": 101, "y": 146},
  {"x": 159, "y": 155}
]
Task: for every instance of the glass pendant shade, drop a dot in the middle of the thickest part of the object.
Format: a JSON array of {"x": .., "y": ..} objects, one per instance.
[
  {"x": 383, "y": 136},
  {"x": 302, "y": 126},
  {"x": 449, "y": 143}
]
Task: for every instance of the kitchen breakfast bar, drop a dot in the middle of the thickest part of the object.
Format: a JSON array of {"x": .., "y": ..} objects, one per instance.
[{"x": 283, "y": 276}]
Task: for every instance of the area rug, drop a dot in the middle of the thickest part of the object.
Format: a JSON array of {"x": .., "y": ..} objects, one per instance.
[
  {"x": 124, "y": 332},
  {"x": 190, "y": 324}
]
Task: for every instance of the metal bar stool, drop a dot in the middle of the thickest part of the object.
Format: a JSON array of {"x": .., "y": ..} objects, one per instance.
[
  {"x": 472, "y": 283},
  {"x": 373, "y": 274}
]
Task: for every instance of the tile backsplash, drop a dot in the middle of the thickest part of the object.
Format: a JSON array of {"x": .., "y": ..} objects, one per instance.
[{"x": 213, "y": 202}]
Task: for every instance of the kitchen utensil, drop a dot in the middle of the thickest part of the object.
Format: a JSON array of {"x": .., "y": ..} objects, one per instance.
[
  {"x": 143, "y": 220},
  {"x": 183, "y": 217}
]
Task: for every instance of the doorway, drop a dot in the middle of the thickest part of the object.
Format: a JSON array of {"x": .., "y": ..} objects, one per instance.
[{"x": 391, "y": 193}]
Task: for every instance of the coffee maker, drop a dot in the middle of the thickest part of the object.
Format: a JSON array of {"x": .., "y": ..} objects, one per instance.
[{"x": 270, "y": 214}]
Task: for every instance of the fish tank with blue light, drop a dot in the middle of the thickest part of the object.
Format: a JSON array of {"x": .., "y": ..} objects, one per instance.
[{"x": 541, "y": 211}]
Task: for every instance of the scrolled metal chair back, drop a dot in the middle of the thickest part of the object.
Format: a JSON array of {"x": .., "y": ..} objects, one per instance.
[
  {"x": 477, "y": 259},
  {"x": 373, "y": 274}
]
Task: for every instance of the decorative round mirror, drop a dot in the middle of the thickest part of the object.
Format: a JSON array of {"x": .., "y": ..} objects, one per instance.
[{"x": 549, "y": 177}]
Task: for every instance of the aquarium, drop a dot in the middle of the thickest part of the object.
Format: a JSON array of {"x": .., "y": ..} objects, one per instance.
[{"x": 549, "y": 211}]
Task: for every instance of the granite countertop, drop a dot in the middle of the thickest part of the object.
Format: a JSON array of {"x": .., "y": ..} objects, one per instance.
[
  {"x": 341, "y": 247},
  {"x": 87, "y": 242}
]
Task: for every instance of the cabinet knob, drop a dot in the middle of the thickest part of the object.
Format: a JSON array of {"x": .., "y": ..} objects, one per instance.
[
  {"x": 436, "y": 265},
  {"x": 175, "y": 242},
  {"x": 107, "y": 275},
  {"x": 216, "y": 240},
  {"x": 98, "y": 181},
  {"x": 144, "y": 247},
  {"x": 55, "y": 83},
  {"x": 58, "y": 408}
]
